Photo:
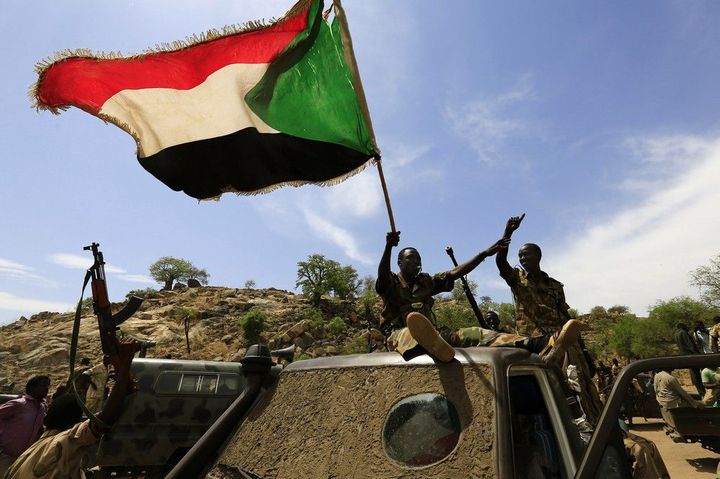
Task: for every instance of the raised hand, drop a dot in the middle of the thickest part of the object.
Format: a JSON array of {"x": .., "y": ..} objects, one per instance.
[
  {"x": 393, "y": 238},
  {"x": 503, "y": 243},
  {"x": 512, "y": 224}
]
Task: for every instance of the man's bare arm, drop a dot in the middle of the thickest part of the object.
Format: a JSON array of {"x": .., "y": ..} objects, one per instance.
[
  {"x": 114, "y": 405},
  {"x": 384, "y": 274},
  {"x": 465, "y": 268},
  {"x": 684, "y": 394},
  {"x": 501, "y": 257}
]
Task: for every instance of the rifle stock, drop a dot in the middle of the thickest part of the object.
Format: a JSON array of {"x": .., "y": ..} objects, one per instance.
[{"x": 468, "y": 292}]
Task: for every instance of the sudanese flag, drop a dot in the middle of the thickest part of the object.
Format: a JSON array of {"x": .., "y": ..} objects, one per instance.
[{"x": 243, "y": 111}]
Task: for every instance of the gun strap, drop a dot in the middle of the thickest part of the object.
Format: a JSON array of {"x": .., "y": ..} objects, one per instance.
[{"x": 73, "y": 353}]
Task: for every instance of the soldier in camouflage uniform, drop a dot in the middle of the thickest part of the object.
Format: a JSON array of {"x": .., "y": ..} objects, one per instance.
[
  {"x": 407, "y": 311},
  {"x": 412, "y": 291},
  {"x": 540, "y": 308}
]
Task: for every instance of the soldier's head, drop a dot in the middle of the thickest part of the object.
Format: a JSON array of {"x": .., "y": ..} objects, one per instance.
[
  {"x": 38, "y": 387},
  {"x": 63, "y": 413},
  {"x": 409, "y": 263},
  {"x": 529, "y": 256},
  {"x": 493, "y": 319}
]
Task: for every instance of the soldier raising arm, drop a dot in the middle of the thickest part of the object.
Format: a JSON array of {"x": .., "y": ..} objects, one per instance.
[{"x": 501, "y": 261}]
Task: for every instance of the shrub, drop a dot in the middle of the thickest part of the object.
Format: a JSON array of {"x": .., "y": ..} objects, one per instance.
[
  {"x": 142, "y": 293},
  {"x": 317, "y": 320},
  {"x": 454, "y": 316},
  {"x": 253, "y": 323},
  {"x": 250, "y": 284},
  {"x": 358, "y": 345},
  {"x": 336, "y": 326}
]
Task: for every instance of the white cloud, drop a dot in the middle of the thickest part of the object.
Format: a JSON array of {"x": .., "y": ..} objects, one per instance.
[
  {"x": 359, "y": 196},
  {"x": 13, "y": 270},
  {"x": 11, "y": 302},
  {"x": 74, "y": 261},
  {"x": 337, "y": 235},
  {"x": 136, "y": 278},
  {"x": 486, "y": 124},
  {"x": 644, "y": 251}
]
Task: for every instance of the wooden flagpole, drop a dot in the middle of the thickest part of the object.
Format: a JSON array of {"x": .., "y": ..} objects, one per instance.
[
  {"x": 349, "y": 54},
  {"x": 385, "y": 192}
]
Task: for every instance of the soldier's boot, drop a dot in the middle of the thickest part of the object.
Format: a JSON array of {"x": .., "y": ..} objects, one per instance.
[
  {"x": 569, "y": 335},
  {"x": 424, "y": 332}
]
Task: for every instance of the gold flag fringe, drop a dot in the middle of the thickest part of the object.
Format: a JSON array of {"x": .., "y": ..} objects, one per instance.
[
  {"x": 166, "y": 47},
  {"x": 295, "y": 183}
]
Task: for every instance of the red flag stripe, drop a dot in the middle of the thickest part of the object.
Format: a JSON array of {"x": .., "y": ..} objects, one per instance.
[{"x": 88, "y": 83}]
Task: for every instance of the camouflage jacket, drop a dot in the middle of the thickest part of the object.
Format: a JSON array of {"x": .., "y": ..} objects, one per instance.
[
  {"x": 540, "y": 305},
  {"x": 400, "y": 299}
]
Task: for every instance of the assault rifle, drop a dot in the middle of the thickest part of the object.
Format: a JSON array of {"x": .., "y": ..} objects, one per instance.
[
  {"x": 468, "y": 293},
  {"x": 108, "y": 323}
]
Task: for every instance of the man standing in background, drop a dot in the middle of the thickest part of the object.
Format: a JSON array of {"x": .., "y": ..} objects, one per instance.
[
  {"x": 686, "y": 345},
  {"x": 21, "y": 421}
]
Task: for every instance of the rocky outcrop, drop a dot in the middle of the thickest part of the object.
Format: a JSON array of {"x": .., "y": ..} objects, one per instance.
[{"x": 41, "y": 344}]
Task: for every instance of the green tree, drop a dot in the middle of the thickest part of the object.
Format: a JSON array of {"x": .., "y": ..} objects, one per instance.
[
  {"x": 598, "y": 312},
  {"x": 506, "y": 313},
  {"x": 250, "y": 284},
  {"x": 318, "y": 275},
  {"x": 367, "y": 286},
  {"x": 344, "y": 281},
  {"x": 167, "y": 270},
  {"x": 618, "y": 310},
  {"x": 454, "y": 315},
  {"x": 458, "y": 292},
  {"x": 707, "y": 278},
  {"x": 253, "y": 323},
  {"x": 681, "y": 309},
  {"x": 622, "y": 334}
]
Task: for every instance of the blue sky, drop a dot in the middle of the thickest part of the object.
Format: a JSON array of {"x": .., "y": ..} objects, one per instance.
[{"x": 597, "y": 119}]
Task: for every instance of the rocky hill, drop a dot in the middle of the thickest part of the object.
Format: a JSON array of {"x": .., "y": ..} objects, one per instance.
[{"x": 41, "y": 344}]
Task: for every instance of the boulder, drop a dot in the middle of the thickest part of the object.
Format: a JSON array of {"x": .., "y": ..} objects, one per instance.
[
  {"x": 227, "y": 339},
  {"x": 304, "y": 341},
  {"x": 299, "y": 328},
  {"x": 238, "y": 355},
  {"x": 193, "y": 283},
  {"x": 179, "y": 286},
  {"x": 44, "y": 357}
]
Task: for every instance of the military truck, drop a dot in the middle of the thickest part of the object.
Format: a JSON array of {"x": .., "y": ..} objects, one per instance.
[
  {"x": 493, "y": 412},
  {"x": 176, "y": 402},
  {"x": 687, "y": 424}
]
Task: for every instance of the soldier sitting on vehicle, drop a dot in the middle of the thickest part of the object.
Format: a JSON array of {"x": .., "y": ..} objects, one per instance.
[
  {"x": 540, "y": 309},
  {"x": 407, "y": 310},
  {"x": 60, "y": 450}
]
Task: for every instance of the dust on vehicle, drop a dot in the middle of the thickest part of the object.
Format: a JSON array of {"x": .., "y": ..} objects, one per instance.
[{"x": 176, "y": 402}]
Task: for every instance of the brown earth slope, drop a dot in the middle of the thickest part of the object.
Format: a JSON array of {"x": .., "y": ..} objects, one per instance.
[{"x": 41, "y": 344}]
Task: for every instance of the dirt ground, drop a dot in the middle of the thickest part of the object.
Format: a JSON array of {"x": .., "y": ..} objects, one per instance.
[{"x": 684, "y": 461}]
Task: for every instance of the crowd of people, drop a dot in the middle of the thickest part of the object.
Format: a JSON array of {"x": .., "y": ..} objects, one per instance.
[{"x": 47, "y": 439}]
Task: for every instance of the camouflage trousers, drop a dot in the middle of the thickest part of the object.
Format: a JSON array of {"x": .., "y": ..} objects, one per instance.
[
  {"x": 401, "y": 340},
  {"x": 477, "y": 336},
  {"x": 589, "y": 395}
]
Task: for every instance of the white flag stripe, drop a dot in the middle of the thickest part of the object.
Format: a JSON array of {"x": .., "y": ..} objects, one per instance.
[{"x": 162, "y": 117}]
